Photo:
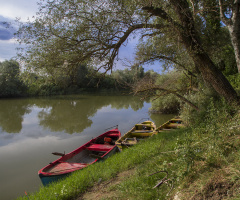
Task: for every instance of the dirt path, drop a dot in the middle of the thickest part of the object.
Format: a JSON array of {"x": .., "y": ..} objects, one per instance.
[{"x": 105, "y": 190}]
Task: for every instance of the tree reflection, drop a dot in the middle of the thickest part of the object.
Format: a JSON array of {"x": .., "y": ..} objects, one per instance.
[
  {"x": 72, "y": 114},
  {"x": 11, "y": 114},
  {"x": 160, "y": 119},
  {"x": 125, "y": 102},
  {"x": 67, "y": 115}
]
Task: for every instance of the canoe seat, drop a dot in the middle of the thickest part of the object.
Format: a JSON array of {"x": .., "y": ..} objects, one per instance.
[
  {"x": 130, "y": 141},
  {"x": 99, "y": 147},
  {"x": 113, "y": 135}
]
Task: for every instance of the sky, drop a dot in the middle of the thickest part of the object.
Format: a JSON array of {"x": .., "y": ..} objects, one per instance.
[{"x": 10, "y": 10}]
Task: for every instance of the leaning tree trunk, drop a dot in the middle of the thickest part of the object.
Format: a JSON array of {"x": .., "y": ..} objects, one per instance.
[
  {"x": 210, "y": 73},
  {"x": 185, "y": 28}
]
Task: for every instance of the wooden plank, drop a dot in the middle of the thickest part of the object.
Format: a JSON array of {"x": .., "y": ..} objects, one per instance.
[{"x": 64, "y": 166}]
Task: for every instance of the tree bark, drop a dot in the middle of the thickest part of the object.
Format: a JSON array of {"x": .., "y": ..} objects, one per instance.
[
  {"x": 235, "y": 38},
  {"x": 233, "y": 25},
  {"x": 214, "y": 77}
]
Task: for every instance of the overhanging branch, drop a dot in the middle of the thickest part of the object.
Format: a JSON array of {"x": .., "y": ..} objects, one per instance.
[
  {"x": 167, "y": 91},
  {"x": 159, "y": 12},
  {"x": 126, "y": 35},
  {"x": 161, "y": 57}
]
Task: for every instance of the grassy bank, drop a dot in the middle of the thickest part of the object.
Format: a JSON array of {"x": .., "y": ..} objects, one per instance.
[{"x": 202, "y": 162}]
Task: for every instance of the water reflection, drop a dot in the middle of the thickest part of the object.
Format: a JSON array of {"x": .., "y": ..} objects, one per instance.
[
  {"x": 69, "y": 114},
  {"x": 160, "y": 119},
  {"x": 11, "y": 115}
]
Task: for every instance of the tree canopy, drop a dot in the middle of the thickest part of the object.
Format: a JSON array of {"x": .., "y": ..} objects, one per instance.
[
  {"x": 77, "y": 31},
  {"x": 10, "y": 83}
]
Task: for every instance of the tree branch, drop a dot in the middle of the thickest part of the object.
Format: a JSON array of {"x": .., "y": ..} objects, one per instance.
[
  {"x": 157, "y": 88},
  {"x": 160, "y": 57},
  {"x": 159, "y": 12},
  {"x": 124, "y": 38}
]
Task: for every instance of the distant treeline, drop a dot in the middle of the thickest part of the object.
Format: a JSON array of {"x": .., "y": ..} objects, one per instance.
[{"x": 17, "y": 82}]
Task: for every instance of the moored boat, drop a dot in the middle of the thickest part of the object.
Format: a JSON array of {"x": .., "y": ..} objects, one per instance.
[
  {"x": 95, "y": 150},
  {"x": 138, "y": 132},
  {"x": 171, "y": 124}
]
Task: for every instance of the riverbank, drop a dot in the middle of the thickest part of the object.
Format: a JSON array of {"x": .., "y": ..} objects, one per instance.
[{"x": 199, "y": 163}]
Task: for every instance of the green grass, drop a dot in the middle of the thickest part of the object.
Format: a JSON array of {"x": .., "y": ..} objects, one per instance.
[{"x": 199, "y": 162}]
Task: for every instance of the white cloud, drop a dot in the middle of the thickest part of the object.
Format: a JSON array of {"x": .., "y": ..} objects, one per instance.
[
  {"x": 9, "y": 11},
  {"x": 7, "y": 49},
  {"x": 18, "y": 8}
]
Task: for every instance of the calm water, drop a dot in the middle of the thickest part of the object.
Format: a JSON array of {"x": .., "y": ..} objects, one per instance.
[{"x": 30, "y": 129}]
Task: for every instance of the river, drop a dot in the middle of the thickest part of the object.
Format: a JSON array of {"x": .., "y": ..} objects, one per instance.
[{"x": 32, "y": 128}]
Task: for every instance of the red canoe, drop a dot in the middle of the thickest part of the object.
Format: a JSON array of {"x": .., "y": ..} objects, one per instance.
[{"x": 96, "y": 149}]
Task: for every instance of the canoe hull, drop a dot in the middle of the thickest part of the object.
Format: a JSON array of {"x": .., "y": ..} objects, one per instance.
[
  {"x": 46, "y": 180},
  {"x": 93, "y": 151},
  {"x": 174, "y": 123},
  {"x": 138, "y": 132}
]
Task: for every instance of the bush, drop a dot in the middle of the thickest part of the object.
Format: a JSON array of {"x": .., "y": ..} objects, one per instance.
[
  {"x": 235, "y": 81},
  {"x": 210, "y": 107},
  {"x": 10, "y": 83},
  {"x": 165, "y": 104}
]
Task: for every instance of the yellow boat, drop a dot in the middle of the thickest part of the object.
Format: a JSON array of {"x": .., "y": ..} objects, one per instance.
[
  {"x": 139, "y": 131},
  {"x": 171, "y": 124}
]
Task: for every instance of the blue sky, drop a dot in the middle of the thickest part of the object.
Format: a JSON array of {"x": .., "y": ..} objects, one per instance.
[
  {"x": 9, "y": 11},
  {"x": 24, "y": 9}
]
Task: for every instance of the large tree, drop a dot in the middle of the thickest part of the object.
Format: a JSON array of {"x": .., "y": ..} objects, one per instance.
[
  {"x": 10, "y": 83},
  {"x": 75, "y": 31}
]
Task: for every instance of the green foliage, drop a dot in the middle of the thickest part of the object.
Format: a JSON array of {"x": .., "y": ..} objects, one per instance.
[
  {"x": 227, "y": 55},
  {"x": 222, "y": 52},
  {"x": 204, "y": 98},
  {"x": 40, "y": 85},
  {"x": 165, "y": 104},
  {"x": 235, "y": 81},
  {"x": 10, "y": 83},
  {"x": 174, "y": 81},
  {"x": 208, "y": 21},
  {"x": 62, "y": 80},
  {"x": 209, "y": 145},
  {"x": 127, "y": 76}
]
